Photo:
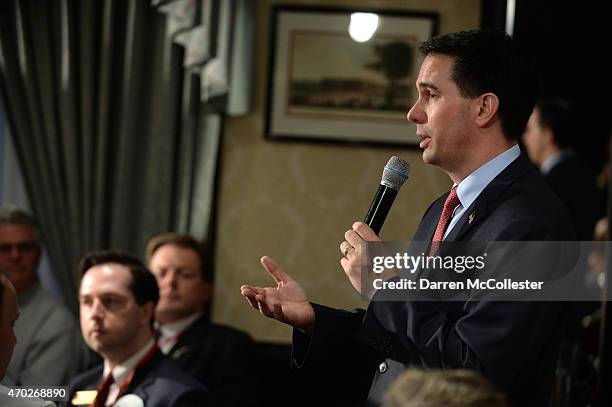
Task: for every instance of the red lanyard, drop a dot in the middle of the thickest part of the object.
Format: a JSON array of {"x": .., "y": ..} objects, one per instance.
[{"x": 128, "y": 380}]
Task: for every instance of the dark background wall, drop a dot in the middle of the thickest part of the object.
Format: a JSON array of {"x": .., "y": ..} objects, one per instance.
[{"x": 568, "y": 42}]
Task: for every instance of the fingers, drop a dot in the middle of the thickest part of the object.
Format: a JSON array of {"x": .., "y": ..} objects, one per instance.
[
  {"x": 356, "y": 237},
  {"x": 269, "y": 308},
  {"x": 353, "y": 238},
  {"x": 346, "y": 265},
  {"x": 249, "y": 293},
  {"x": 346, "y": 248},
  {"x": 275, "y": 270},
  {"x": 258, "y": 299},
  {"x": 365, "y": 232}
]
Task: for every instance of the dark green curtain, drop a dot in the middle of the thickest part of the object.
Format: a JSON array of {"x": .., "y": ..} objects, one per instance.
[{"x": 108, "y": 124}]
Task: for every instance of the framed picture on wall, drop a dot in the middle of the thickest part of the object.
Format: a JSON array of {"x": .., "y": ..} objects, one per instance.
[{"x": 344, "y": 75}]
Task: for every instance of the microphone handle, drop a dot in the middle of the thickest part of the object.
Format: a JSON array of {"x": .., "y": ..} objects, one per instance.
[{"x": 380, "y": 207}]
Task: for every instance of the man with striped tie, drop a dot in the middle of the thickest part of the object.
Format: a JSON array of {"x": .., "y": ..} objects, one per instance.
[{"x": 475, "y": 96}]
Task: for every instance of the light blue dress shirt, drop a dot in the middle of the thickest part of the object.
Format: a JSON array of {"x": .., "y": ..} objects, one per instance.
[
  {"x": 553, "y": 160},
  {"x": 470, "y": 188}
]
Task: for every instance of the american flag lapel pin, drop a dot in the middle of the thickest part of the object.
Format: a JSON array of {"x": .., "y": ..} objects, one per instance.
[{"x": 471, "y": 218}]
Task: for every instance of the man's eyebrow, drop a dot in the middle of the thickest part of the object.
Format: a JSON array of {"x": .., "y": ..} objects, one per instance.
[{"x": 428, "y": 85}]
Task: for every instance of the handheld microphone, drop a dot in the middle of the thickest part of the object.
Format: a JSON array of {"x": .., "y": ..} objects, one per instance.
[{"x": 395, "y": 173}]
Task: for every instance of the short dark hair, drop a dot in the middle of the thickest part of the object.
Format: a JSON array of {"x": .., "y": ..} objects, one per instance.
[
  {"x": 489, "y": 61},
  {"x": 558, "y": 116},
  {"x": 143, "y": 285},
  {"x": 184, "y": 241}
]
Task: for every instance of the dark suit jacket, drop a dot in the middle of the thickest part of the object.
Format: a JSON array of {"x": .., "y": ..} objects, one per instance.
[
  {"x": 514, "y": 344},
  {"x": 574, "y": 184},
  {"x": 159, "y": 383},
  {"x": 220, "y": 357}
]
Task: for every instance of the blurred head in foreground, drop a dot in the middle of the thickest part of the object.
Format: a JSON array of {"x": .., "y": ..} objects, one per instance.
[{"x": 443, "y": 388}]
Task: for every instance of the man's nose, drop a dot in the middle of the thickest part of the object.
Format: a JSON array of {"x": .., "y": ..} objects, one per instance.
[
  {"x": 170, "y": 278},
  {"x": 415, "y": 114},
  {"x": 15, "y": 253},
  {"x": 97, "y": 310}
]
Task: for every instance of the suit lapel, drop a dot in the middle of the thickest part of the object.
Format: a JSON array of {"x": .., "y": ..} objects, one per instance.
[
  {"x": 480, "y": 207},
  {"x": 144, "y": 377},
  {"x": 184, "y": 344},
  {"x": 84, "y": 392}
]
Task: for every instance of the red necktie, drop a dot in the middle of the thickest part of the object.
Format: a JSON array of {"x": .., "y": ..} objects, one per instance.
[
  {"x": 452, "y": 201},
  {"x": 103, "y": 390}
]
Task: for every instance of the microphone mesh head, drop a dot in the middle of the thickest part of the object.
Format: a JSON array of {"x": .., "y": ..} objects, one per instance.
[{"x": 396, "y": 172}]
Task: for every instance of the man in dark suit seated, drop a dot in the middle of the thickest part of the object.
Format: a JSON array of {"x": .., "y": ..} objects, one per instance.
[
  {"x": 117, "y": 300},
  {"x": 475, "y": 96},
  {"x": 219, "y": 356},
  {"x": 547, "y": 139}
]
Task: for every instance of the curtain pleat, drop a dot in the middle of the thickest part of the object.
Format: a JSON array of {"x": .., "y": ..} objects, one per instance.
[{"x": 115, "y": 137}]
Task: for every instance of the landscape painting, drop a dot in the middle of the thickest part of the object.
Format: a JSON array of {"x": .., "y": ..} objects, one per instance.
[
  {"x": 331, "y": 74},
  {"x": 325, "y": 85}
]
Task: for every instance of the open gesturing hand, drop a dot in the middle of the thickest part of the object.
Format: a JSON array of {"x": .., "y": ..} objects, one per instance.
[{"x": 287, "y": 302}]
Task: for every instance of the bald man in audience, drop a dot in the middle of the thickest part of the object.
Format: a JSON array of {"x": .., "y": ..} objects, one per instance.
[
  {"x": 49, "y": 348},
  {"x": 9, "y": 314},
  {"x": 219, "y": 356}
]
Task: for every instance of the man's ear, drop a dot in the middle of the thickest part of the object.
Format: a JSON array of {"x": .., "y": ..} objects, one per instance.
[
  {"x": 548, "y": 136},
  {"x": 487, "y": 107},
  {"x": 148, "y": 313}
]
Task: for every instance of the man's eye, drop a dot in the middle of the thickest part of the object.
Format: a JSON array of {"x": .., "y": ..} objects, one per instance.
[
  {"x": 111, "y": 302},
  {"x": 186, "y": 273}
]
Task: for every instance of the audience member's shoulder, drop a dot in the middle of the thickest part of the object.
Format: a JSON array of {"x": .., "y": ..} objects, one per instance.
[
  {"x": 44, "y": 298},
  {"x": 57, "y": 314},
  {"x": 219, "y": 332},
  {"x": 86, "y": 378},
  {"x": 169, "y": 374},
  {"x": 226, "y": 332}
]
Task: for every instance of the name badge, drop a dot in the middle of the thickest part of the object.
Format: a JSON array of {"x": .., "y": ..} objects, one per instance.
[{"x": 84, "y": 397}]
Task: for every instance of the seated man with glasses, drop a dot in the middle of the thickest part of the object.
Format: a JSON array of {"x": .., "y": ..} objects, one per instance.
[{"x": 46, "y": 332}]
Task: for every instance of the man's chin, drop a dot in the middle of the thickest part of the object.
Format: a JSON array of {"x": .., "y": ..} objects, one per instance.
[
  {"x": 98, "y": 345},
  {"x": 427, "y": 157}
]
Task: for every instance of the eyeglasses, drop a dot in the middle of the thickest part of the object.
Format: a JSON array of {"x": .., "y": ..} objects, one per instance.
[{"x": 21, "y": 247}]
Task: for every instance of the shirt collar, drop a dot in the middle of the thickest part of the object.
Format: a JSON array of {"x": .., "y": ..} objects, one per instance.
[
  {"x": 470, "y": 188},
  {"x": 176, "y": 327},
  {"x": 124, "y": 368},
  {"x": 553, "y": 160}
]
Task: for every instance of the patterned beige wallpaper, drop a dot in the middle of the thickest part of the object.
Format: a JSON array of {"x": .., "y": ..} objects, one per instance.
[{"x": 293, "y": 201}]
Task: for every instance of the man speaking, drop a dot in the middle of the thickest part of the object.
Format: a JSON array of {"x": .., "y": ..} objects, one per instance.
[{"x": 475, "y": 95}]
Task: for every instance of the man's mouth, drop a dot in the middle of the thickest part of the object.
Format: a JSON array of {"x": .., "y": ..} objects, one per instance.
[
  {"x": 98, "y": 332},
  {"x": 169, "y": 296},
  {"x": 425, "y": 140}
]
